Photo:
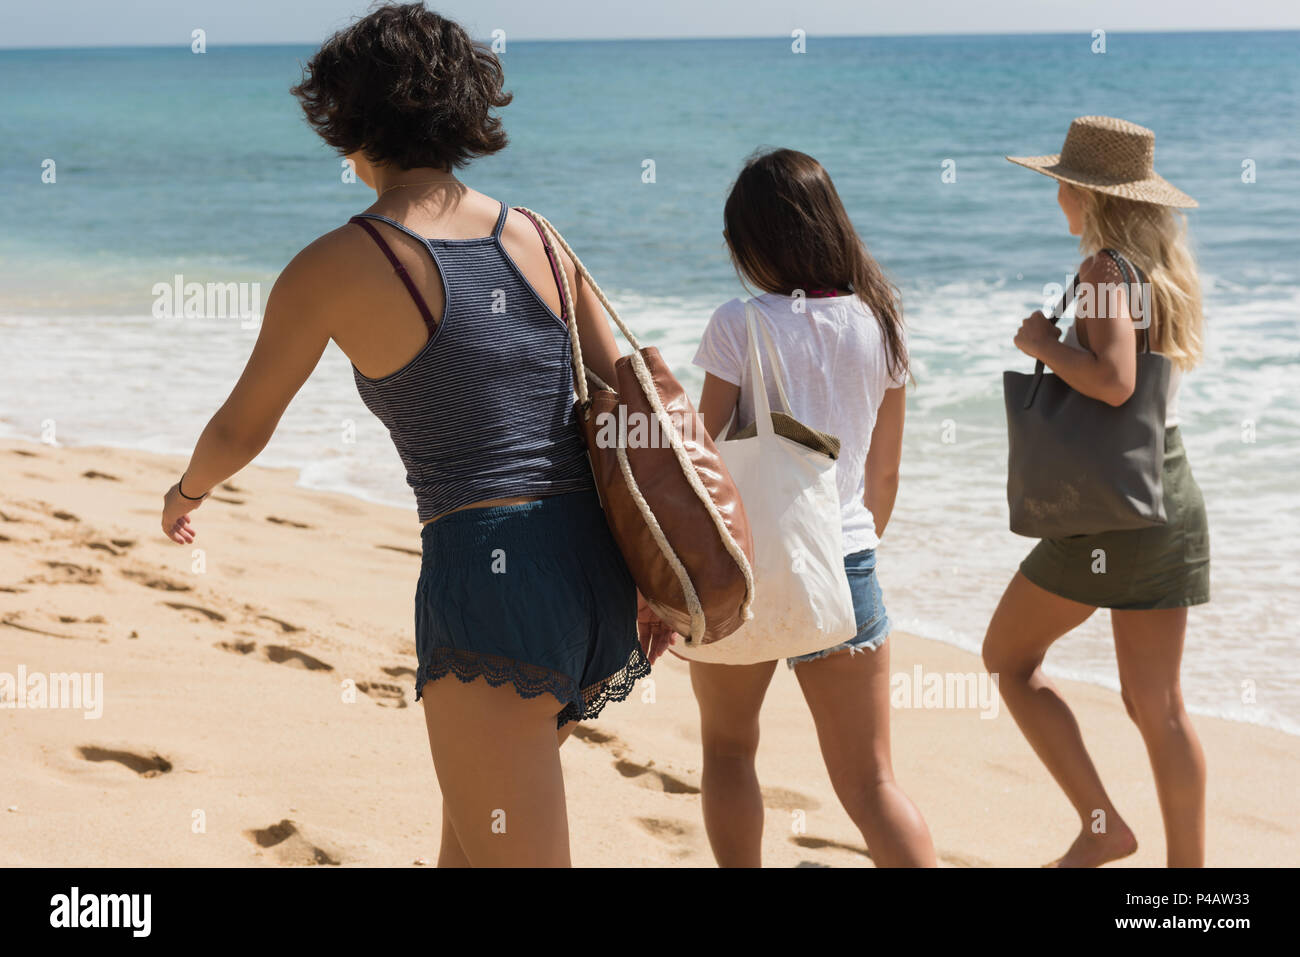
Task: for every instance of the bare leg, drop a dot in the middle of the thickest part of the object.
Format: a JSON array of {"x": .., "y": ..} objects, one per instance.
[
  {"x": 730, "y": 697},
  {"x": 1027, "y": 621},
  {"x": 450, "y": 853},
  {"x": 1149, "y": 648},
  {"x": 498, "y": 764},
  {"x": 848, "y": 694}
]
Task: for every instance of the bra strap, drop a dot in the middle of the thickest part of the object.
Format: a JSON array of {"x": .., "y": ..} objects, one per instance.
[
  {"x": 402, "y": 274},
  {"x": 555, "y": 266}
]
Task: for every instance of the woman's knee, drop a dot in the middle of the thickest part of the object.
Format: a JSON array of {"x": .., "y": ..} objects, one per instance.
[
  {"x": 1001, "y": 657},
  {"x": 1156, "y": 712},
  {"x": 730, "y": 743}
]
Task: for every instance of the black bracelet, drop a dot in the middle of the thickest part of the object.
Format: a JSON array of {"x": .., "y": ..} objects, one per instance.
[{"x": 189, "y": 497}]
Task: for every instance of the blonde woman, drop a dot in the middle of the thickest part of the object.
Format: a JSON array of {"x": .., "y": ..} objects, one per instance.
[{"x": 1114, "y": 201}]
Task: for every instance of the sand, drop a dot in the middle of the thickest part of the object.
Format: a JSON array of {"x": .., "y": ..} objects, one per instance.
[{"x": 257, "y": 707}]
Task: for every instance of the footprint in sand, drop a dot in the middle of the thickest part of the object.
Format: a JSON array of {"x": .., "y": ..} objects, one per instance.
[
  {"x": 10, "y": 623},
  {"x": 286, "y": 521},
  {"x": 66, "y": 573},
  {"x": 228, "y": 501},
  {"x": 386, "y": 695},
  {"x": 197, "y": 609},
  {"x": 596, "y": 736},
  {"x": 145, "y": 765},
  {"x": 400, "y": 671},
  {"x": 92, "y": 474},
  {"x": 106, "y": 547},
  {"x": 648, "y": 776},
  {"x": 676, "y": 834},
  {"x": 151, "y": 580},
  {"x": 237, "y": 647},
  {"x": 24, "y": 453},
  {"x": 231, "y": 487},
  {"x": 821, "y": 843},
  {"x": 398, "y": 548},
  {"x": 284, "y": 625},
  {"x": 288, "y": 845},
  {"x": 65, "y": 516},
  {"x": 282, "y": 655}
]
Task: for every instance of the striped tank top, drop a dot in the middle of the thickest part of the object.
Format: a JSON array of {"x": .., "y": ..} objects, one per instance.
[{"x": 485, "y": 409}]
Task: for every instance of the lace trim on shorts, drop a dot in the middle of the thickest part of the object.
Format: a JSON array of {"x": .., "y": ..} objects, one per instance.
[{"x": 529, "y": 681}]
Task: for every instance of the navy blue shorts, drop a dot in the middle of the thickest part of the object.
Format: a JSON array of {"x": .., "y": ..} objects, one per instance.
[
  {"x": 868, "y": 609},
  {"x": 534, "y": 594}
]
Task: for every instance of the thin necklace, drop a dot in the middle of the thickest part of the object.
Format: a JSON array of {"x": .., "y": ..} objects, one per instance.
[{"x": 427, "y": 182}]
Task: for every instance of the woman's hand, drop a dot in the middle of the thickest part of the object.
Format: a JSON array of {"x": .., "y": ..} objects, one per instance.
[
  {"x": 1035, "y": 334},
  {"x": 654, "y": 634},
  {"x": 176, "y": 516}
]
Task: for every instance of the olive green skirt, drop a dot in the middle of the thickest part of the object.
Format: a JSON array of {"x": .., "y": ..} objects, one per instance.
[{"x": 1164, "y": 566}]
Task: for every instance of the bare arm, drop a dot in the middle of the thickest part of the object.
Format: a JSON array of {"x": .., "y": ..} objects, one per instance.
[
  {"x": 292, "y": 338},
  {"x": 717, "y": 403},
  {"x": 1106, "y": 369},
  {"x": 883, "y": 457},
  {"x": 599, "y": 347}
]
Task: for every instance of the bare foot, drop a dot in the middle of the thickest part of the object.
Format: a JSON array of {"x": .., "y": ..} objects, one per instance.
[{"x": 1094, "y": 850}]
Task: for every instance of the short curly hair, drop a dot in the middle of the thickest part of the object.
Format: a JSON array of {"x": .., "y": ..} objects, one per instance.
[{"x": 407, "y": 88}]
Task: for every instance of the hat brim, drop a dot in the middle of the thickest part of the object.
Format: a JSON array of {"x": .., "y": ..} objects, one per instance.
[{"x": 1153, "y": 189}]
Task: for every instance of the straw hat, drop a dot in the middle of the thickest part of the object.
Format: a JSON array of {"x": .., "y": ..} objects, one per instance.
[{"x": 1110, "y": 156}]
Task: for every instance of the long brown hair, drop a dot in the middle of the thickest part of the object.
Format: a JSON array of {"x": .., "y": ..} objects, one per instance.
[{"x": 787, "y": 229}]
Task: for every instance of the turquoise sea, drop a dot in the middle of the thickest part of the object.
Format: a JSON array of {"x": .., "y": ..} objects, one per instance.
[{"x": 167, "y": 162}]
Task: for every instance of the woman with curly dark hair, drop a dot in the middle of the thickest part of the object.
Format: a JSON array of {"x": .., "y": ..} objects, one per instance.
[{"x": 445, "y": 301}]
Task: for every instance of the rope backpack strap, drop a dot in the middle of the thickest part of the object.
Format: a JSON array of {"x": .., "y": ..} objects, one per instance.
[{"x": 667, "y": 428}]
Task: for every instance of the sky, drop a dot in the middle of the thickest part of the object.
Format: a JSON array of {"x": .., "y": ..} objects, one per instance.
[{"x": 65, "y": 23}]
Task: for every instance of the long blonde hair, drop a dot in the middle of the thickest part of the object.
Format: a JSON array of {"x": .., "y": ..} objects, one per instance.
[{"x": 1155, "y": 238}]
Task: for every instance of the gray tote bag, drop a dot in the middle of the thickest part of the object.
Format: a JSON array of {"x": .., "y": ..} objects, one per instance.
[{"x": 1077, "y": 465}]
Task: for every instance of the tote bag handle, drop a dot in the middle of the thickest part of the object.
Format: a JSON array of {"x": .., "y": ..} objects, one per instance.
[
  {"x": 1055, "y": 317},
  {"x": 1124, "y": 267},
  {"x": 762, "y": 405}
]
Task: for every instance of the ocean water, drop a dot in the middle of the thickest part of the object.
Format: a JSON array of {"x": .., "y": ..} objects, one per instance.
[{"x": 170, "y": 163}]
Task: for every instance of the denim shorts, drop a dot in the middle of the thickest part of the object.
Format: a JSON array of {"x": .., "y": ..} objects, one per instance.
[
  {"x": 868, "y": 608},
  {"x": 536, "y": 595}
]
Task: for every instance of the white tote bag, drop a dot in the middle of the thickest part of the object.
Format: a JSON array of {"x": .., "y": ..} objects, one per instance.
[{"x": 802, "y": 602}]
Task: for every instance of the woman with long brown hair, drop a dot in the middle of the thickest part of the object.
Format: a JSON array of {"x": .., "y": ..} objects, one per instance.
[{"x": 836, "y": 325}]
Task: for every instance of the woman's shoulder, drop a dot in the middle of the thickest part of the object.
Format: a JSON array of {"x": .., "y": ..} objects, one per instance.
[
  {"x": 1099, "y": 267},
  {"x": 729, "y": 316},
  {"x": 326, "y": 268}
]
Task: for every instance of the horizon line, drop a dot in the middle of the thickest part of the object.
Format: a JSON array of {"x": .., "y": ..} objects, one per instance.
[{"x": 707, "y": 37}]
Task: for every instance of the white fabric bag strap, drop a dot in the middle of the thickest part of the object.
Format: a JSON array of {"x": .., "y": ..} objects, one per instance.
[{"x": 762, "y": 405}]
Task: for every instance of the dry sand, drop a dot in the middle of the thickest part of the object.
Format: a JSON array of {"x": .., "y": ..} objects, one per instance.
[{"x": 227, "y": 736}]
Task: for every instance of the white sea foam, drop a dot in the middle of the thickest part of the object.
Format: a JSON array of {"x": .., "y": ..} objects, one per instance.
[{"x": 138, "y": 382}]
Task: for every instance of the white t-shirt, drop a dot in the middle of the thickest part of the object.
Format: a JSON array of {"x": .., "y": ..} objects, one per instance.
[{"x": 835, "y": 368}]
